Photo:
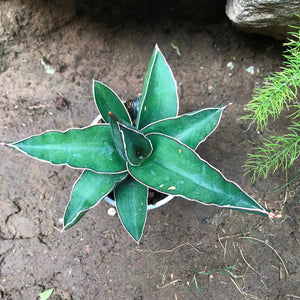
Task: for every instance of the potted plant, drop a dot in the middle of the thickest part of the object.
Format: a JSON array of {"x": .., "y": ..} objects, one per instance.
[
  {"x": 128, "y": 157},
  {"x": 155, "y": 199}
]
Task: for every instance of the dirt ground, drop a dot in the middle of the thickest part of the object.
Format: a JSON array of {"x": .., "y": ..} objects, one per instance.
[{"x": 188, "y": 251}]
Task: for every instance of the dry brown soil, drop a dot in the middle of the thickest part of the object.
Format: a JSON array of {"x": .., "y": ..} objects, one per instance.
[{"x": 96, "y": 259}]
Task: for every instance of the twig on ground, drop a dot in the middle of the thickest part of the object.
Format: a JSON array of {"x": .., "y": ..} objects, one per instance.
[
  {"x": 238, "y": 235},
  {"x": 280, "y": 258},
  {"x": 224, "y": 247},
  {"x": 242, "y": 292},
  {"x": 293, "y": 296},
  {"x": 169, "y": 250},
  {"x": 247, "y": 262},
  {"x": 218, "y": 270},
  {"x": 256, "y": 239},
  {"x": 172, "y": 282},
  {"x": 285, "y": 192},
  {"x": 176, "y": 48}
]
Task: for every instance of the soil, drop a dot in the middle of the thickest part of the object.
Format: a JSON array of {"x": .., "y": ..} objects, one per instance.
[{"x": 188, "y": 251}]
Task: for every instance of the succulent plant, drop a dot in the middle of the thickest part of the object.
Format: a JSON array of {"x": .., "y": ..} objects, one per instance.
[{"x": 128, "y": 157}]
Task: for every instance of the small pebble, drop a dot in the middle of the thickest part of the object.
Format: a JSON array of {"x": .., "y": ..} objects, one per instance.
[
  {"x": 230, "y": 65},
  {"x": 250, "y": 70},
  {"x": 111, "y": 211}
]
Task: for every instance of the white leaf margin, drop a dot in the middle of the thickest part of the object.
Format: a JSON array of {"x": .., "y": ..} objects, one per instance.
[
  {"x": 86, "y": 210},
  {"x": 262, "y": 210},
  {"x": 109, "y": 88},
  {"x": 14, "y": 147},
  {"x": 137, "y": 241},
  {"x": 157, "y": 50},
  {"x": 191, "y": 114}
]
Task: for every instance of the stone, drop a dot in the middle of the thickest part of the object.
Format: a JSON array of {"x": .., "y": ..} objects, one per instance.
[
  {"x": 111, "y": 211},
  {"x": 22, "y": 19},
  {"x": 22, "y": 227},
  {"x": 269, "y": 17}
]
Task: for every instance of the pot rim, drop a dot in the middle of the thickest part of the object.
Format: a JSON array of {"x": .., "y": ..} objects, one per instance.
[{"x": 149, "y": 206}]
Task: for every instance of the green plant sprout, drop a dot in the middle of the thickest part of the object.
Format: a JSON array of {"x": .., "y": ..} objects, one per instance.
[
  {"x": 279, "y": 92},
  {"x": 46, "y": 294},
  {"x": 196, "y": 284},
  {"x": 129, "y": 156}
]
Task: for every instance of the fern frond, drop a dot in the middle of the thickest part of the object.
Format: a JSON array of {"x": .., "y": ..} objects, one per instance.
[
  {"x": 280, "y": 90},
  {"x": 274, "y": 153}
]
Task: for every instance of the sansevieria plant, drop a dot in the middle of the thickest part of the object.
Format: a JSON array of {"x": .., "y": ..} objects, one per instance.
[{"x": 128, "y": 157}]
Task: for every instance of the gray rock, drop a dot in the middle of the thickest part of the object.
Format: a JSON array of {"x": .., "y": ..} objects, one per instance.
[
  {"x": 20, "y": 19},
  {"x": 270, "y": 17}
]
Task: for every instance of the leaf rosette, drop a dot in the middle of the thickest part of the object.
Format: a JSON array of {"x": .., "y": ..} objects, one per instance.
[{"x": 129, "y": 157}]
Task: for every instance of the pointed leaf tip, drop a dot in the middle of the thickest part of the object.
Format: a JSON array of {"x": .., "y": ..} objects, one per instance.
[
  {"x": 192, "y": 128},
  {"x": 183, "y": 173},
  {"x": 85, "y": 148},
  {"x": 112, "y": 115},
  {"x": 159, "y": 98},
  {"x": 271, "y": 215}
]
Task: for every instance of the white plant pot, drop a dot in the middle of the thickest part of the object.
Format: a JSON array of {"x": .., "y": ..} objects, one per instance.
[{"x": 149, "y": 206}]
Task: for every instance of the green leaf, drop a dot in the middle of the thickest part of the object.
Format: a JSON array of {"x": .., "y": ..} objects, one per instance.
[
  {"x": 88, "y": 148},
  {"x": 131, "y": 144},
  {"x": 159, "y": 97},
  {"x": 116, "y": 135},
  {"x": 191, "y": 129},
  {"x": 131, "y": 200},
  {"x": 175, "y": 169},
  {"x": 46, "y": 294},
  {"x": 137, "y": 147},
  {"x": 107, "y": 100},
  {"x": 88, "y": 191}
]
